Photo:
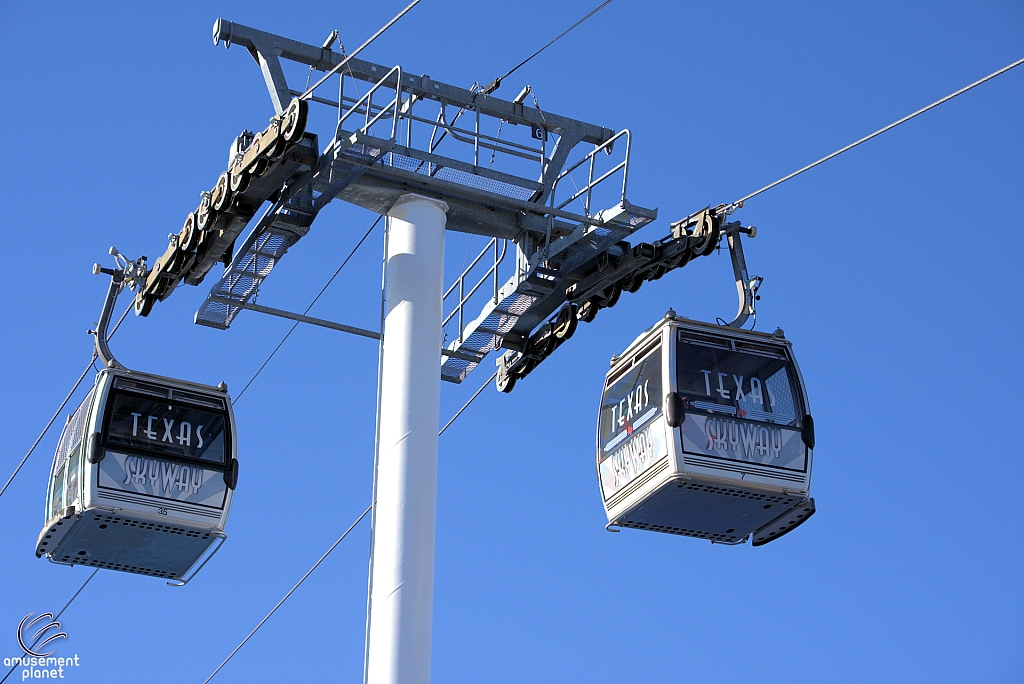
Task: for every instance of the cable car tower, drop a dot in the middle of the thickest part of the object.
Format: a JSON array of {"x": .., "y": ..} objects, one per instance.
[{"x": 431, "y": 157}]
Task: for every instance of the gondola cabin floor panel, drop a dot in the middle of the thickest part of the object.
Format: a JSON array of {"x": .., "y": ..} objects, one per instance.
[
  {"x": 719, "y": 513},
  {"x": 146, "y": 546}
]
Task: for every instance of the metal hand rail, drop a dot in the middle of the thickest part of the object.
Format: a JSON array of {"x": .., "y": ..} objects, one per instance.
[
  {"x": 460, "y": 283},
  {"x": 499, "y": 145},
  {"x": 368, "y": 100},
  {"x": 588, "y": 189}
]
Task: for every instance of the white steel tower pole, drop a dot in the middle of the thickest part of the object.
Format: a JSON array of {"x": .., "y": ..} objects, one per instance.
[{"x": 402, "y": 579}]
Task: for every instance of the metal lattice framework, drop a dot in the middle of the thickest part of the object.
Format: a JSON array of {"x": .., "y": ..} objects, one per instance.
[{"x": 554, "y": 186}]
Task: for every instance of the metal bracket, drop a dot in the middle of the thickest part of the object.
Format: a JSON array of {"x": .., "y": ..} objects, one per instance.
[
  {"x": 301, "y": 318},
  {"x": 340, "y": 327},
  {"x": 264, "y": 50}
]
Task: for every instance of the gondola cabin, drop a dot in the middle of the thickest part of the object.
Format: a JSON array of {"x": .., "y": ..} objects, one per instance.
[
  {"x": 705, "y": 431},
  {"x": 143, "y": 476}
]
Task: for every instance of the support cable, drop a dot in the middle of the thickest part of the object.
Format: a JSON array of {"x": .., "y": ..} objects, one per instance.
[
  {"x": 496, "y": 83},
  {"x": 342, "y": 63},
  {"x": 290, "y": 592},
  {"x": 61, "y": 407},
  {"x": 57, "y": 616},
  {"x": 296, "y": 324},
  {"x": 466, "y": 405},
  {"x": 739, "y": 203}
]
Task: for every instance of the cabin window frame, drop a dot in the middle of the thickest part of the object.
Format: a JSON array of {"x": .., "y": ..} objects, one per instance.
[
  {"x": 655, "y": 347},
  {"x": 70, "y": 447},
  {"x": 752, "y": 348},
  {"x": 169, "y": 398}
]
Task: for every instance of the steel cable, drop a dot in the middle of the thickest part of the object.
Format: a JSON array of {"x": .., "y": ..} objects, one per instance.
[
  {"x": 61, "y": 407},
  {"x": 738, "y": 203},
  {"x": 466, "y": 405},
  {"x": 496, "y": 83},
  {"x": 290, "y": 592},
  {"x": 343, "y": 62},
  {"x": 296, "y": 324}
]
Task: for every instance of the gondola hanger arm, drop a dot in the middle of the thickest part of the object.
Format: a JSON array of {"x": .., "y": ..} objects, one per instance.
[
  {"x": 746, "y": 285},
  {"x": 130, "y": 273}
]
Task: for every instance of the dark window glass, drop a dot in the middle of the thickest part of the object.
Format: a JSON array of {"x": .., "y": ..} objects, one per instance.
[
  {"x": 57, "y": 492},
  {"x": 166, "y": 428},
  {"x": 632, "y": 401},
  {"x": 736, "y": 383},
  {"x": 73, "y": 472}
]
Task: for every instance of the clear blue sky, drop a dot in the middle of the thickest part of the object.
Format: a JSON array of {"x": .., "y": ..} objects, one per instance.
[{"x": 894, "y": 269}]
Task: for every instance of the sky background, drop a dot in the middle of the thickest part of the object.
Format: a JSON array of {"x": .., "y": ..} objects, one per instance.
[{"x": 894, "y": 269}]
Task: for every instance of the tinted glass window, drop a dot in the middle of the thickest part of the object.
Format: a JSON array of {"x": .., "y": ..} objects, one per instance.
[
  {"x": 632, "y": 401},
  {"x": 736, "y": 383},
  {"x": 166, "y": 428},
  {"x": 57, "y": 492},
  {"x": 74, "y": 470}
]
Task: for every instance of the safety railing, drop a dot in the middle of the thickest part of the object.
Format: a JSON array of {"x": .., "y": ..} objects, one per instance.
[
  {"x": 460, "y": 283},
  {"x": 366, "y": 106},
  {"x": 400, "y": 111},
  {"x": 476, "y": 137},
  {"x": 588, "y": 189}
]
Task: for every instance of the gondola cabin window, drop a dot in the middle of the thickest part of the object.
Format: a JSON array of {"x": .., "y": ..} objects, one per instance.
[
  {"x": 746, "y": 384},
  {"x": 166, "y": 428},
  {"x": 631, "y": 438},
  {"x": 741, "y": 402},
  {"x": 65, "y": 478}
]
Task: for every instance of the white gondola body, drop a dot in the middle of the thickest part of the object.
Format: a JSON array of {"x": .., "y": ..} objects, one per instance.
[
  {"x": 143, "y": 476},
  {"x": 738, "y": 462}
]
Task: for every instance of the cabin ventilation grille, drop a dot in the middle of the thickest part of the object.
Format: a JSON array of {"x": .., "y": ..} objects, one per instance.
[
  {"x": 700, "y": 534},
  {"x": 144, "y": 525},
  {"x": 141, "y": 387},
  {"x": 107, "y": 565}
]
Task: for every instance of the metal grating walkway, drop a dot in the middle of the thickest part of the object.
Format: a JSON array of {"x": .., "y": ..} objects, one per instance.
[{"x": 280, "y": 227}]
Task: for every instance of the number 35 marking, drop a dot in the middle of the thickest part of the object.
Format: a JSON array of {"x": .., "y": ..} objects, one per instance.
[{"x": 161, "y": 511}]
